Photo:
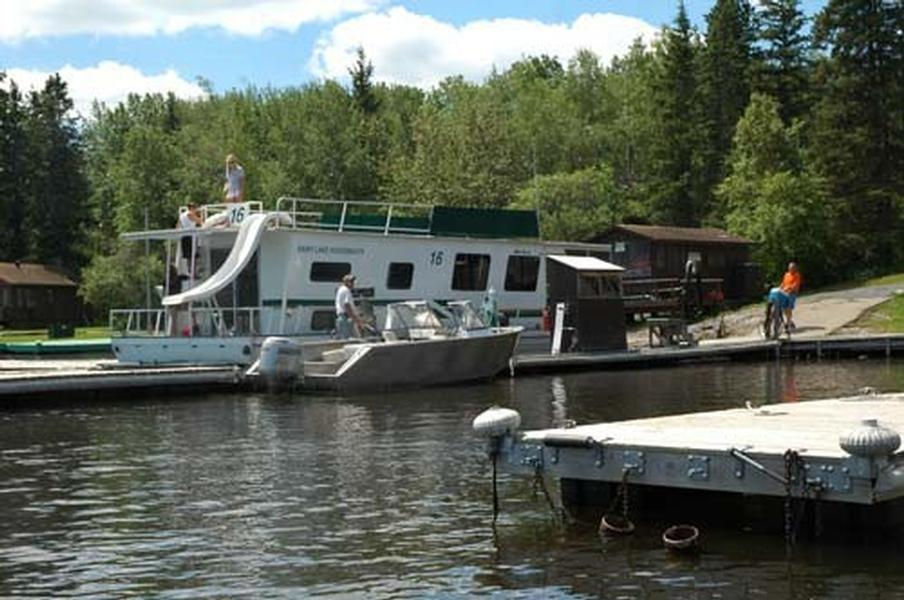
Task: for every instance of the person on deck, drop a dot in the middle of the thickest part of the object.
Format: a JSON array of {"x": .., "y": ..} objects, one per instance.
[
  {"x": 346, "y": 314},
  {"x": 791, "y": 286},
  {"x": 189, "y": 220},
  {"x": 235, "y": 180}
]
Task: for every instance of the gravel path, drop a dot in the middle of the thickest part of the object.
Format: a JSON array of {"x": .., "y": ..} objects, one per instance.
[{"x": 823, "y": 313}]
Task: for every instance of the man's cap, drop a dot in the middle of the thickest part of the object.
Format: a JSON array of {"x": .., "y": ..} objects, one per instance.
[{"x": 348, "y": 278}]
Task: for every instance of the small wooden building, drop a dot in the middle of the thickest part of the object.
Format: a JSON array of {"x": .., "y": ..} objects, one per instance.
[
  {"x": 591, "y": 290},
  {"x": 656, "y": 252},
  {"x": 35, "y": 295}
]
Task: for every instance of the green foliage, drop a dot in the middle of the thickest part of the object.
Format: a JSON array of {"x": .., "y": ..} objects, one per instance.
[
  {"x": 725, "y": 64},
  {"x": 678, "y": 132},
  {"x": 573, "y": 206},
  {"x": 771, "y": 200},
  {"x": 118, "y": 280},
  {"x": 783, "y": 63},
  {"x": 816, "y": 174},
  {"x": 857, "y": 137}
]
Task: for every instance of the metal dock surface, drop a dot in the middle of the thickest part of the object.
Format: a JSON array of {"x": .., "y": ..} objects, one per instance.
[{"x": 743, "y": 450}]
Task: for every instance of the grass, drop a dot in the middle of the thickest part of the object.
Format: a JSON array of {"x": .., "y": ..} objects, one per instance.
[
  {"x": 887, "y": 317},
  {"x": 886, "y": 280},
  {"x": 40, "y": 335}
]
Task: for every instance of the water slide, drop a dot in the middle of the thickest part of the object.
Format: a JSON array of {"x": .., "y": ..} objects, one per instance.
[{"x": 245, "y": 244}]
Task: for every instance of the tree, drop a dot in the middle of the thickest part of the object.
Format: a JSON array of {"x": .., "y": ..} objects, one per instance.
[
  {"x": 362, "y": 84},
  {"x": 783, "y": 64},
  {"x": 13, "y": 175},
  {"x": 57, "y": 187},
  {"x": 858, "y": 124},
  {"x": 772, "y": 199},
  {"x": 724, "y": 90},
  {"x": 573, "y": 206},
  {"x": 675, "y": 91}
]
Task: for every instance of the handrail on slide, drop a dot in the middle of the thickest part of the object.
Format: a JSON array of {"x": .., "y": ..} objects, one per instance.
[{"x": 245, "y": 244}]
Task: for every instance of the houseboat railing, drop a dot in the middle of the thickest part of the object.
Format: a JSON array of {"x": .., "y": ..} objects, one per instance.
[
  {"x": 187, "y": 322},
  {"x": 341, "y": 215}
]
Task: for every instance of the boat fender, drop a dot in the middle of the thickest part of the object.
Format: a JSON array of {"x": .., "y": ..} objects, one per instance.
[
  {"x": 681, "y": 538},
  {"x": 870, "y": 439},
  {"x": 496, "y": 421}
]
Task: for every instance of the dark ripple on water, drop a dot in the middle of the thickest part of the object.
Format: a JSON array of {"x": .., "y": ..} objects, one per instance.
[{"x": 384, "y": 496}]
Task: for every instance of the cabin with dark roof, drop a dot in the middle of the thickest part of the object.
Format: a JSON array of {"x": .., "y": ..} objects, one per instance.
[
  {"x": 36, "y": 295},
  {"x": 661, "y": 253}
]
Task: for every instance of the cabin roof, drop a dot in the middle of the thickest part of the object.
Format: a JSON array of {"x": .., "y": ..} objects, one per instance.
[
  {"x": 33, "y": 274},
  {"x": 585, "y": 263},
  {"x": 664, "y": 233}
]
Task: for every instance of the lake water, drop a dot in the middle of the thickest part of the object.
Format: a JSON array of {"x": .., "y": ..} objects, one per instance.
[{"x": 263, "y": 496}]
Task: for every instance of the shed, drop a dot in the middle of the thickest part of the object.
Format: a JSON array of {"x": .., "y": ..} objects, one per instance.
[
  {"x": 36, "y": 295},
  {"x": 591, "y": 290},
  {"x": 661, "y": 252}
]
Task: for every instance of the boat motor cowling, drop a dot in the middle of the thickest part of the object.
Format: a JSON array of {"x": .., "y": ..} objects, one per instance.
[{"x": 280, "y": 360}]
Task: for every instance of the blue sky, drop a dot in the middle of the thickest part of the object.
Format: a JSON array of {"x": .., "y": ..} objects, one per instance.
[{"x": 108, "y": 48}]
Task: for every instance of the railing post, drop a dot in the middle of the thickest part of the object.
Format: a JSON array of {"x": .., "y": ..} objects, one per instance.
[
  {"x": 342, "y": 218},
  {"x": 388, "y": 220}
]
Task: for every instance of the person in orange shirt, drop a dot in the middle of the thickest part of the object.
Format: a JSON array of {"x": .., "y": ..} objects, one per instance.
[{"x": 791, "y": 286}]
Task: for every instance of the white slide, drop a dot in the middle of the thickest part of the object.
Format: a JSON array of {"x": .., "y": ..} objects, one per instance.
[{"x": 245, "y": 244}]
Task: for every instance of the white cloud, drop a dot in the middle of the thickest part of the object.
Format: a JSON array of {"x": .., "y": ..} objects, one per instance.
[
  {"x": 38, "y": 18},
  {"x": 108, "y": 82},
  {"x": 415, "y": 49}
]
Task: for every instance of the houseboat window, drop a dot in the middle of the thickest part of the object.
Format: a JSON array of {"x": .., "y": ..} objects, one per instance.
[
  {"x": 521, "y": 273},
  {"x": 329, "y": 271},
  {"x": 399, "y": 276},
  {"x": 471, "y": 272},
  {"x": 323, "y": 320}
]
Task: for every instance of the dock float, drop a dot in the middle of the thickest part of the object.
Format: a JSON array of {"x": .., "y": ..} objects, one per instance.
[
  {"x": 840, "y": 452},
  {"x": 57, "y": 347},
  {"x": 714, "y": 351},
  {"x": 107, "y": 378},
  {"x": 534, "y": 363}
]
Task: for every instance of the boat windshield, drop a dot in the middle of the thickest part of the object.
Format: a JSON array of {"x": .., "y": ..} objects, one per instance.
[
  {"x": 418, "y": 319},
  {"x": 466, "y": 315}
]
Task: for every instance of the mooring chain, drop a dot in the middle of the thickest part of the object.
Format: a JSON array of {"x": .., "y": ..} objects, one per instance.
[
  {"x": 540, "y": 483},
  {"x": 620, "y": 496},
  {"x": 624, "y": 493},
  {"x": 789, "y": 457}
]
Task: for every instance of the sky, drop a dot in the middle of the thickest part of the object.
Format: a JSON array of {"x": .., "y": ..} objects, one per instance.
[{"x": 106, "y": 49}]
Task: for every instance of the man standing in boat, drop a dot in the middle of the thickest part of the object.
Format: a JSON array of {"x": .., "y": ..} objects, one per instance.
[{"x": 345, "y": 309}]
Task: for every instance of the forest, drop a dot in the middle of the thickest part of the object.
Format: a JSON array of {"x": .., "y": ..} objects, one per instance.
[{"x": 786, "y": 129}]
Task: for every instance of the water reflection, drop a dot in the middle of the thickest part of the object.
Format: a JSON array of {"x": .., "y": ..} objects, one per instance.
[{"x": 281, "y": 496}]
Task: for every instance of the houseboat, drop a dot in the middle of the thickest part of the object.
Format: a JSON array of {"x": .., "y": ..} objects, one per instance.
[{"x": 253, "y": 273}]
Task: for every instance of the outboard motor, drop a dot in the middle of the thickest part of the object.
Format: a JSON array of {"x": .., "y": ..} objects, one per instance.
[{"x": 280, "y": 362}]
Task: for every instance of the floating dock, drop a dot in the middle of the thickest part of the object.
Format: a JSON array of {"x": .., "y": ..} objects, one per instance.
[
  {"x": 714, "y": 351},
  {"x": 67, "y": 378},
  {"x": 779, "y": 451},
  {"x": 32, "y": 373},
  {"x": 57, "y": 347}
]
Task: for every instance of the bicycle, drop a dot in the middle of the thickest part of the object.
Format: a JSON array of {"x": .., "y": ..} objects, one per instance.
[{"x": 774, "y": 324}]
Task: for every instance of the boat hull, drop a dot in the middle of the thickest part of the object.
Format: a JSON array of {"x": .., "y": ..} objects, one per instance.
[{"x": 421, "y": 363}]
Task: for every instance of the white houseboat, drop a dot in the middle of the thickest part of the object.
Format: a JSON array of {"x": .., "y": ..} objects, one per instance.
[{"x": 256, "y": 273}]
